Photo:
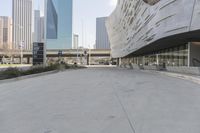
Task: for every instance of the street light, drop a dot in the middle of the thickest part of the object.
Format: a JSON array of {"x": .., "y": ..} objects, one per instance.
[
  {"x": 77, "y": 55},
  {"x": 21, "y": 43},
  {"x": 89, "y": 55},
  {"x": 21, "y": 51}
]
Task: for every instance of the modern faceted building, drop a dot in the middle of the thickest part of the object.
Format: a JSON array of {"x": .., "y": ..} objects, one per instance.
[
  {"x": 156, "y": 32},
  {"x": 102, "y": 41},
  {"x": 58, "y": 24},
  {"x": 22, "y": 23}
]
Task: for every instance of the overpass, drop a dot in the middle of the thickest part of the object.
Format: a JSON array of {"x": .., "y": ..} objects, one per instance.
[{"x": 65, "y": 53}]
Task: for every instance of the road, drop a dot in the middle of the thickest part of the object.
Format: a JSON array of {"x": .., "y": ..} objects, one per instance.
[{"x": 100, "y": 100}]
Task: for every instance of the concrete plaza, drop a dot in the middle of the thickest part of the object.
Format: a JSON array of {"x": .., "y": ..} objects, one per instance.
[{"x": 100, "y": 100}]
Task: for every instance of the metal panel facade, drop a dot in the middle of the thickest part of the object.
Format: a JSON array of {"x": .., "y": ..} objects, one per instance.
[{"x": 136, "y": 24}]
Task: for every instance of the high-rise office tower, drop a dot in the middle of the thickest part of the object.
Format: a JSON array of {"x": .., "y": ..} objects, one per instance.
[
  {"x": 102, "y": 40},
  {"x": 1, "y": 33},
  {"x": 5, "y": 33},
  {"x": 58, "y": 24},
  {"x": 37, "y": 26},
  {"x": 42, "y": 29},
  {"x": 22, "y": 23}
]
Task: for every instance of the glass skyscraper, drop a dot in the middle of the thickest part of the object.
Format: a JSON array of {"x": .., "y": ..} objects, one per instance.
[
  {"x": 59, "y": 24},
  {"x": 102, "y": 40}
]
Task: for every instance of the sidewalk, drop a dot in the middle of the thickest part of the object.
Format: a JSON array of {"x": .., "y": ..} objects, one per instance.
[{"x": 100, "y": 100}]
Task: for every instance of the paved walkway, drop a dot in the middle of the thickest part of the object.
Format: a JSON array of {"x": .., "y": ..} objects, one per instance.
[{"x": 100, "y": 100}]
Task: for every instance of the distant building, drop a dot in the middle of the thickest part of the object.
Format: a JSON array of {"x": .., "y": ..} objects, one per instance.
[
  {"x": 75, "y": 41},
  {"x": 5, "y": 33},
  {"x": 94, "y": 46},
  {"x": 58, "y": 24},
  {"x": 22, "y": 23},
  {"x": 42, "y": 29},
  {"x": 102, "y": 40},
  {"x": 38, "y": 27},
  {"x": 1, "y": 33}
]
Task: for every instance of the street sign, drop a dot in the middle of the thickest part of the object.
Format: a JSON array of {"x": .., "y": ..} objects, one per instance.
[{"x": 38, "y": 53}]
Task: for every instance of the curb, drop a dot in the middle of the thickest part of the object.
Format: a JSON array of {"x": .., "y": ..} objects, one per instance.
[
  {"x": 193, "y": 78},
  {"x": 28, "y": 77}
]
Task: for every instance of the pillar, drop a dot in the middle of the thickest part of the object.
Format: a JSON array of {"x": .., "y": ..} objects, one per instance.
[
  {"x": 157, "y": 59},
  {"x": 88, "y": 59},
  {"x": 28, "y": 60}
]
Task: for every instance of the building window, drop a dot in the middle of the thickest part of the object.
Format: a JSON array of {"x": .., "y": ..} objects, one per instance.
[{"x": 175, "y": 56}]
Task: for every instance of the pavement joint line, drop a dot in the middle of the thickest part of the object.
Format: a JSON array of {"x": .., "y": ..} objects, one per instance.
[{"x": 124, "y": 110}]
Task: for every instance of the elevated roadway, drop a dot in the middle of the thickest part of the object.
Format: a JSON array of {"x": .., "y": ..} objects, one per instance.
[{"x": 65, "y": 53}]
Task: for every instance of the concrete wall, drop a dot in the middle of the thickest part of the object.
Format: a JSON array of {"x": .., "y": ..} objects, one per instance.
[{"x": 183, "y": 70}]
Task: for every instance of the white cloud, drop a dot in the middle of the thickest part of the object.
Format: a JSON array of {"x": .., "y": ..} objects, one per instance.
[{"x": 113, "y": 3}]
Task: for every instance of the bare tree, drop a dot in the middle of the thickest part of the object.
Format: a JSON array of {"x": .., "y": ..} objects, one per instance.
[{"x": 8, "y": 51}]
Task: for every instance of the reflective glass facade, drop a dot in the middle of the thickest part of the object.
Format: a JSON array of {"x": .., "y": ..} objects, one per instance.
[
  {"x": 175, "y": 56},
  {"x": 102, "y": 40},
  {"x": 59, "y": 24},
  {"x": 52, "y": 21}
]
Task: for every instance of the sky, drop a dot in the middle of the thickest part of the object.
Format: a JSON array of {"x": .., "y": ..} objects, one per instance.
[{"x": 85, "y": 13}]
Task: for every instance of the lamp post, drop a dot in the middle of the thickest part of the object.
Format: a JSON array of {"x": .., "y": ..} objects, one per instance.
[
  {"x": 21, "y": 43},
  {"x": 21, "y": 51},
  {"x": 89, "y": 55},
  {"x": 77, "y": 55}
]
